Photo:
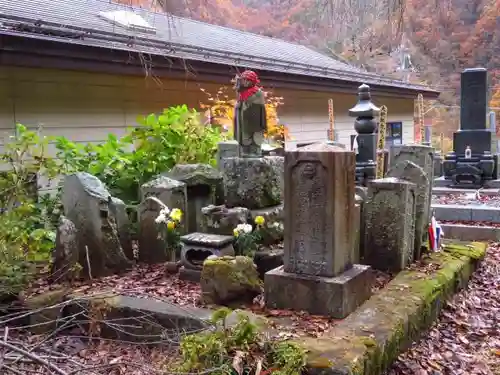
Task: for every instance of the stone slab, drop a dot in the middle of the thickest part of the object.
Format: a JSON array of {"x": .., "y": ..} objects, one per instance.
[
  {"x": 447, "y": 191},
  {"x": 336, "y": 297},
  {"x": 372, "y": 337},
  {"x": 471, "y": 232},
  {"x": 164, "y": 321},
  {"x": 456, "y": 212},
  {"x": 206, "y": 239}
]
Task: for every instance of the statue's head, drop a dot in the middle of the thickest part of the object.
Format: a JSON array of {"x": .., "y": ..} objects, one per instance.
[{"x": 246, "y": 80}]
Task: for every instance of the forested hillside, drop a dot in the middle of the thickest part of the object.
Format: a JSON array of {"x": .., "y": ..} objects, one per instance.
[{"x": 435, "y": 39}]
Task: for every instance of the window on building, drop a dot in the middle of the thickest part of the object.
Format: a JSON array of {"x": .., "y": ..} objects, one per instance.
[{"x": 393, "y": 134}]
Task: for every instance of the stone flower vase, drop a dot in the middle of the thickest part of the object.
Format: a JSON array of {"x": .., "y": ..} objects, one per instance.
[{"x": 172, "y": 265}]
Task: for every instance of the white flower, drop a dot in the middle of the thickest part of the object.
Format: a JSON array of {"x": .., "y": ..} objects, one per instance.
[
  {"x": 165, "y": 211},
  {"x": 161, "y": 218},
  {"x": 244, "y": 228}
]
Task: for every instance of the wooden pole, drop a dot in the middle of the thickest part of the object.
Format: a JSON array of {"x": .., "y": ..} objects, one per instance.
[
  {"x": 331, "y": 120},
  {"x": 420, "y": 109},
  {"x": 382, "y": 128}
]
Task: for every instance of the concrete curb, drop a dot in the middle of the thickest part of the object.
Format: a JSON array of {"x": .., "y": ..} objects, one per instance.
[
  {"x": 457, "y": 212},
  {"x": 447, "y": 191},
  {"x": 471, "y": 232},
  {"x": 371, "y": 338}
]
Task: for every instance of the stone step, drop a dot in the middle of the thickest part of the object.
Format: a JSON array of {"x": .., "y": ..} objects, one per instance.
[
  {"x": 445, "y": 191},
  {"x": 457, "y": 212},
  {"x": 442, "y": 182},
  {"x": 471, "y": 232}
]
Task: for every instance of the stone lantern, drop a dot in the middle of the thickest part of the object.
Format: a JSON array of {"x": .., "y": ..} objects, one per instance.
[{"x": 366, "y": 138}]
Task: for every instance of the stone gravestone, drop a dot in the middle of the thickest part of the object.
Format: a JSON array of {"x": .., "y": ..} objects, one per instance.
[
  {"x": 423, "y": 156},
  {"x": 87, "y": 204},
  {"x": 173, "y": 194},
  {"x": 411, "y": 172},
  {"x": 473, "y": 134},
  {"x": 203, "y": 186},
  {"x": 389, "y": 224},
  {"x": 318, "y": 274}
]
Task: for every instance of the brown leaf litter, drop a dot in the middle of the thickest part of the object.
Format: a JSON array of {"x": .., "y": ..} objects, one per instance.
[{"x": 466, "y": 338}]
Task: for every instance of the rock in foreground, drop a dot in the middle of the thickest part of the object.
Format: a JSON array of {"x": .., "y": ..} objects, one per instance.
[{"x": 227, "y": 279}]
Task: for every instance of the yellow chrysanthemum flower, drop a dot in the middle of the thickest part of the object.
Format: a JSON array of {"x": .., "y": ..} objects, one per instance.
[
  {"x": 236, "y": 233},
  {"x": 176, "y": 214},
  {"x": 259, "y": 220},
  {"x": 171, "y": 225}
]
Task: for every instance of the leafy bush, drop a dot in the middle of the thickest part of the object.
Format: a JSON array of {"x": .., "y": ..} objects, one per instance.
[
  {"x": 27, "y": 222},
  {"x": 240, "y": 349},
  {"x": 156, "y": 145}
]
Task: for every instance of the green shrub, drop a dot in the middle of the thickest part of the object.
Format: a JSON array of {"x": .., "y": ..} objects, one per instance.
[
  {"x": 155, "y": 146},
  {"x": 239, "y": 349},
  {"x": 27, "y": 223}
]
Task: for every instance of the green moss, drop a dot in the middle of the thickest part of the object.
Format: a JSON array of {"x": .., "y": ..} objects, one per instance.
[
  {"x": 369, "y": 340},
  {"x": 240, "y": 269},
  {"x": 473, "y": 250}
]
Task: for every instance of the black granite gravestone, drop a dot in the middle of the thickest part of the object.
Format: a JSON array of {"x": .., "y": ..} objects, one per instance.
[{"x": 475, "y": 169}]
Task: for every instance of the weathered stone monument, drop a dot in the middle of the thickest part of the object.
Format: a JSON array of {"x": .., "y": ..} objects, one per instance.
[
  {"x": 171, "y": 193},
  {"x": 366, "y": 139},
  {"x": 93, "y": 239},
  {"x": 203, "y": 187},
  {"x": 415, "y": 163},
  {"x": 471, "y": 164},
  {"x": 411, "y": 172},
  {"x": 389, "y": 224},
  {"x": 318, "y": 274}
]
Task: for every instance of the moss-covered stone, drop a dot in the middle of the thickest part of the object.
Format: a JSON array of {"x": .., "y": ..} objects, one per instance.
[
  {"x": 371, "y": 338},
  {"x": 226, "y": 279}
]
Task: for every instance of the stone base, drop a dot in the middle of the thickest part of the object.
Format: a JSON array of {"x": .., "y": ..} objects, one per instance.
[
  {"x": 189, "y": 275},
  {"x": 267, "y": 261},
  {"x": 336, "y": 297},
  {"x": 441, "y": 182}
]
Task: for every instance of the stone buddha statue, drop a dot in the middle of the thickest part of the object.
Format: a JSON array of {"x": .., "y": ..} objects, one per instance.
[{"x": 250, "y": 121}]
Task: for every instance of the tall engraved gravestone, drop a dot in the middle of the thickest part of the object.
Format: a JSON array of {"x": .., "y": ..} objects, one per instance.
[
  {"x": 318, "y": 274},
  {"x": 460, "y": 169}
]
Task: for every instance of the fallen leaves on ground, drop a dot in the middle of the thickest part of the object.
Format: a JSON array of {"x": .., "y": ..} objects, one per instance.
[
  {"x": 151, "y": 281},
  {"x": 467, "y": 199},
  {"x": 76, "y": 356},
  {"x": 424, "y": 266},
  {"x": 142, "y": 281},
  {"x": 466, "y": 338},
  {"x": 472, "y": 223}
]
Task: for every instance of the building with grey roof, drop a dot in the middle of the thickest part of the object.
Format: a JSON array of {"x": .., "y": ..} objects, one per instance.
[{"x": 85, "y": 68}]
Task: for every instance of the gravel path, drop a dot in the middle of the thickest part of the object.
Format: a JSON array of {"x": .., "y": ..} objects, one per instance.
[{"x": 466, "y": 338}]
